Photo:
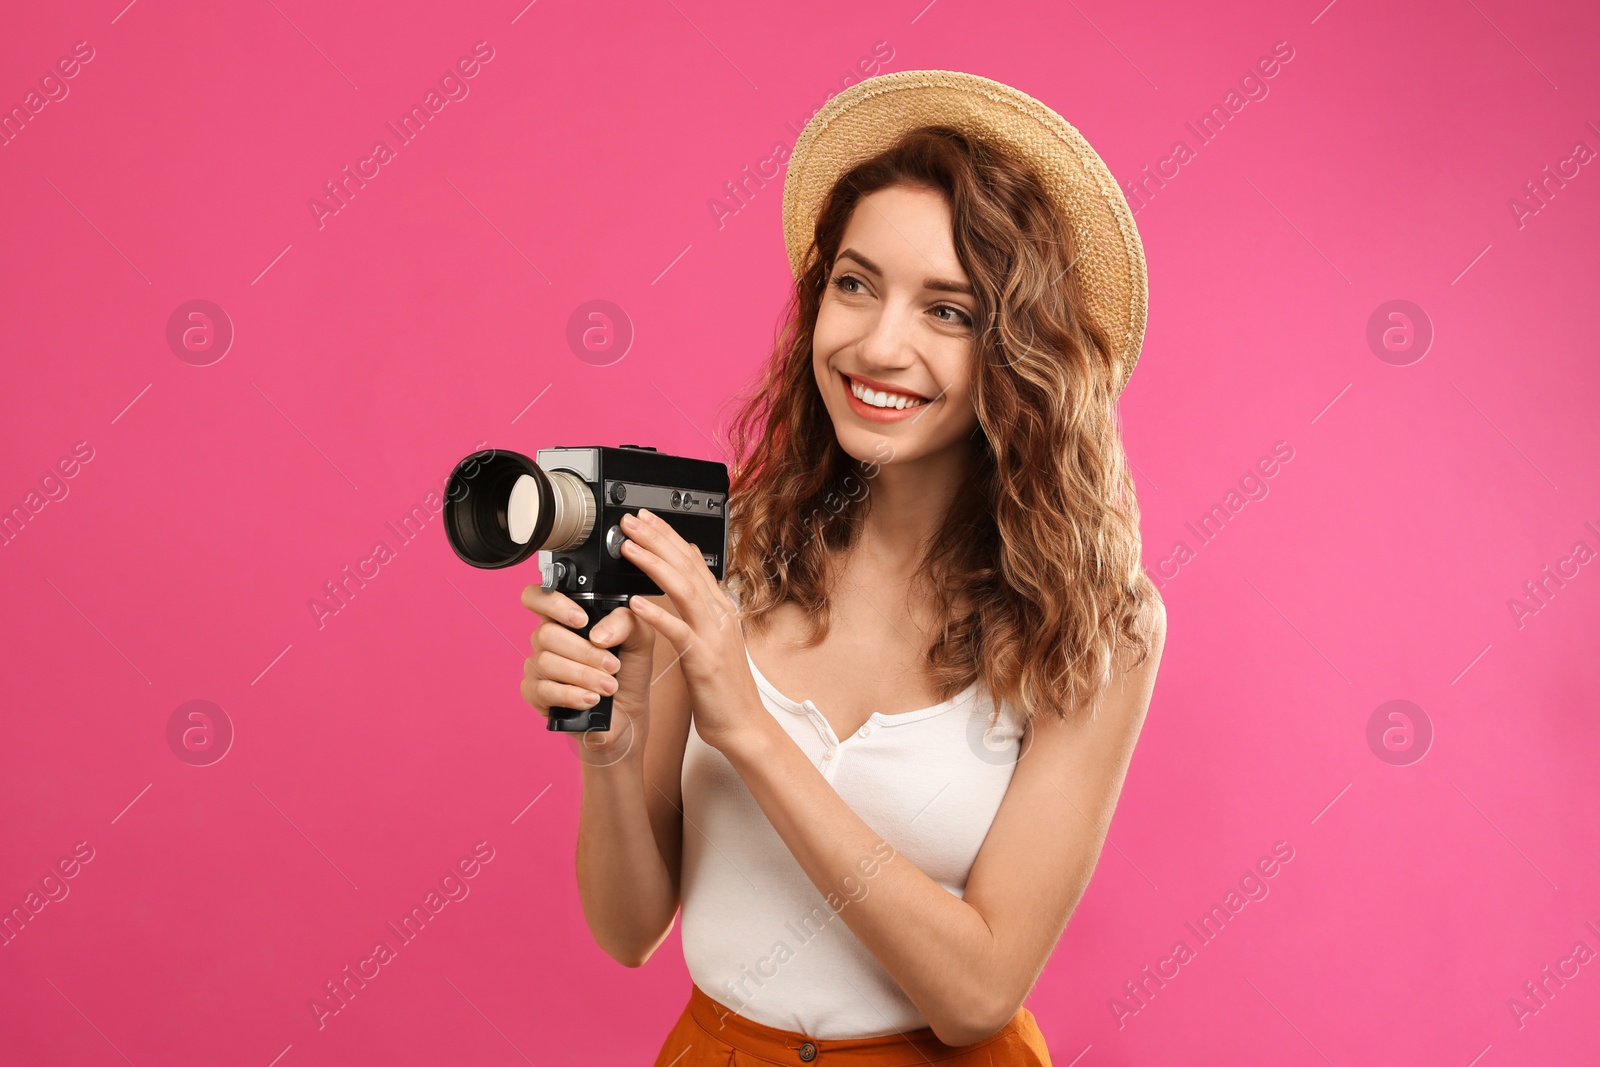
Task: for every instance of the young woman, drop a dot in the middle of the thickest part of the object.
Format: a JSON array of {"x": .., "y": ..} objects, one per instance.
[{"x": 875, "y": 767}]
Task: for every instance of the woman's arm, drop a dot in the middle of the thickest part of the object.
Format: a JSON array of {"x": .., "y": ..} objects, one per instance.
[
  {"x": 630, "y": 825},
  {"x": 966, "y": 963}
]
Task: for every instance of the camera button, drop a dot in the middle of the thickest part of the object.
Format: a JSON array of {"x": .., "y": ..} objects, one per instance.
[{"x": 614, "y": 539}]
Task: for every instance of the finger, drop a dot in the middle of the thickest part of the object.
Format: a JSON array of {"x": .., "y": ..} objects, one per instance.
[
  {"x": 673, "y": 582},
  {"x": 655, "y": 535},
  {"x": 543, "y": 694},
  {"x": 663, "y": 539},
  {"x": 675, "y": 629},
  {"x": 621, "y": 629},
  {"x": 559, "y": 640},
  {"x": 710, "y": 603},
  {"x": 553, "y": 604},
  {"x": 557, "y": 668},
  {"x": 528, "y": 697}
]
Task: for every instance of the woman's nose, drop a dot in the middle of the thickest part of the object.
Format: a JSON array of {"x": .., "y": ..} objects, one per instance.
[{"x": 887, "y": 344}]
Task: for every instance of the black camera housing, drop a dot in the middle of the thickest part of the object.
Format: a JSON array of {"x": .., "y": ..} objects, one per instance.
[{"x": 573, "y": 502}]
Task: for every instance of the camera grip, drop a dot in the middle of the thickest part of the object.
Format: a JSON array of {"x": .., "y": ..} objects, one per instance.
[{"x": 582, "y": 720}]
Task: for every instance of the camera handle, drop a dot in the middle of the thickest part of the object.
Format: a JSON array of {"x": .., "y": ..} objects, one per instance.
[{"x": 582, "y": 720}]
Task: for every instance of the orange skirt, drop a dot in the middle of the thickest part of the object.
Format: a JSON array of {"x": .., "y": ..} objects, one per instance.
[{"x": 709, "y": 1035}]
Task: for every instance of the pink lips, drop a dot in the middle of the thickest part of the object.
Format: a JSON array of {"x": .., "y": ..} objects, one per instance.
[
  {"x": 870, "y": 413},
  {"x": 884, "y": 387}
]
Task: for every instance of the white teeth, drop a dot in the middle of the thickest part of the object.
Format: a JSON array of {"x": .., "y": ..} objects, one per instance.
[{"x": 883, "y": 400}]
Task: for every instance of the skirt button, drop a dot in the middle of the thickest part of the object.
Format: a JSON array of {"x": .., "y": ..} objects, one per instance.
[{"x": 808, "y": 1052}]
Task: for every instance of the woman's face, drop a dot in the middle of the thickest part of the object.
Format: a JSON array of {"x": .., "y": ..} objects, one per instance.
[{"x": 895, "y": 319}]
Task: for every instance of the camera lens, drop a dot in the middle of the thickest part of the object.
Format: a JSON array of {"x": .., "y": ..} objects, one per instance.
[
  {"x": 574, "y": 511},
  {"x": 502, "y": 507}
]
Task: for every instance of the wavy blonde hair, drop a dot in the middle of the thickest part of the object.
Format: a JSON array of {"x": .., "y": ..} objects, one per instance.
[{"x": 1035, "y": 572}]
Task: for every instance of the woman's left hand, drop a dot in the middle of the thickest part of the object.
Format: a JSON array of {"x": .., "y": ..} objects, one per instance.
[{"x": 706, "y": 632}]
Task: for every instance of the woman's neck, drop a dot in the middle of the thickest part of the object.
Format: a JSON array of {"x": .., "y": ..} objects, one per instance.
[{"x": 906, "y": 504}]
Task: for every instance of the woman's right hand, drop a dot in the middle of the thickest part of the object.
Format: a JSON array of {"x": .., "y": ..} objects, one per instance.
[{"x": 567, "y": 669}]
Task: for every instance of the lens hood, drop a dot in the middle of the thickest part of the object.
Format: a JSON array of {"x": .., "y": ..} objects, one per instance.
[{"x": 477, "y": 498}]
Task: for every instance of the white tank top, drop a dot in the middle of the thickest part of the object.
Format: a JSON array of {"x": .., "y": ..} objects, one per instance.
[{"x": 758, "y": 937}]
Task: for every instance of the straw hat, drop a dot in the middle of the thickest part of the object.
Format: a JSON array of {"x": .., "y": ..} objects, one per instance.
[{"x": 869, "y": 116}]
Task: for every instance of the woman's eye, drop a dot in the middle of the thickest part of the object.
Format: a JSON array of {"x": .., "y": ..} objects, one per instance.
[{"x": 844, "y": 282}]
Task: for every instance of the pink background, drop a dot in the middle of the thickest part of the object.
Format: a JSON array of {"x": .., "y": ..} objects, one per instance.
[{"x": 374, "y": 751}]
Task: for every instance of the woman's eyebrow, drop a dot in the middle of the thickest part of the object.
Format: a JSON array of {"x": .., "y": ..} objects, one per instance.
[{"x": 941, "y": 284}]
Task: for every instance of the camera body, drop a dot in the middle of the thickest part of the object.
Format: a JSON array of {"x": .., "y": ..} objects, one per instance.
[
  {"x": 503, "y": 508},
  {"x": 690, "y": 495}
]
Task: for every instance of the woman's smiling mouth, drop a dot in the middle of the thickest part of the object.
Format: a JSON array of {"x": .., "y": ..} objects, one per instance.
[{"x": 879, "y": 402}]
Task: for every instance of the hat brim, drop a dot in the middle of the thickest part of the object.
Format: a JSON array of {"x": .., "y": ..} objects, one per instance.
[{"x": 871, "y": 115}]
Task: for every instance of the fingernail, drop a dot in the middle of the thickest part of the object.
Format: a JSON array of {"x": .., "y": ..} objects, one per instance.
[
  {"x": 609, "y": 685},
  {"x": 645, "y": 515},
  {"x": 578, "y": 618},
  {"x": 611, "y": 663},
  {"x": 599, "y": 636},
  {"x": 591, "y": 698}
]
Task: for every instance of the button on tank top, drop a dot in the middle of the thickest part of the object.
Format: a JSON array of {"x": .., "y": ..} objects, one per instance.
[{"x": 758, "y": 936}]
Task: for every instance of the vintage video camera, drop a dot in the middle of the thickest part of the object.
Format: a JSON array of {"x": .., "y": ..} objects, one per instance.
[{"x": 502, "y": 507}]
